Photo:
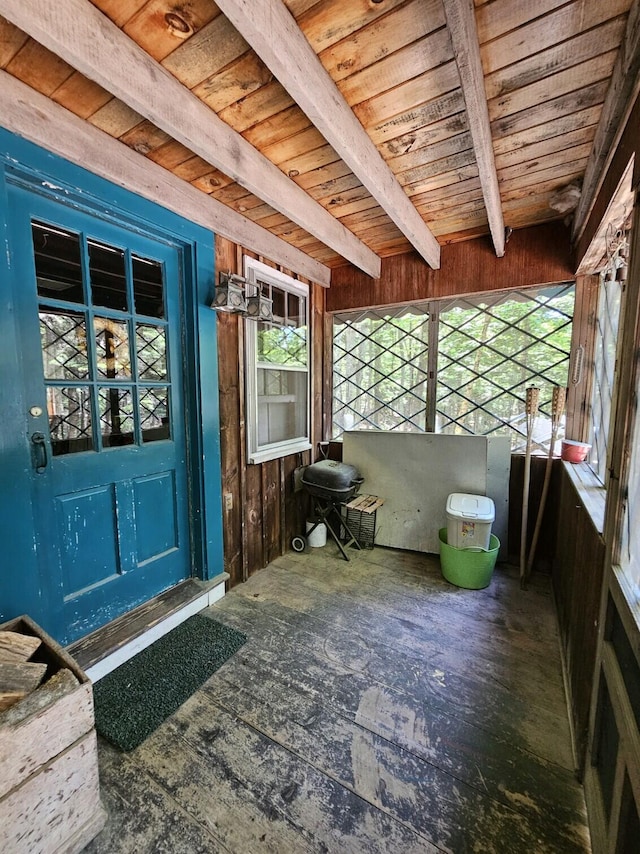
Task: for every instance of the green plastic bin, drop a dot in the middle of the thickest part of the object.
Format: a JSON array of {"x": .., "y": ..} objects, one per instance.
[{"x": 469, "y": 568}]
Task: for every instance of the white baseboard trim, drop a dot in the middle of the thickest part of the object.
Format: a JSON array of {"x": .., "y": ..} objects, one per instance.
[{"x": 128, "y": 650}]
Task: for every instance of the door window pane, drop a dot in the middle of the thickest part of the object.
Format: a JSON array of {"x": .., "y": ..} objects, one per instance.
[
  {"x": 116, "y": 417},
  {"x": 148, "y": 287},
  {"x": 107, "y": 275},
  {"x": 151, "y": 352},
  {"x": 69, "y": 411},
  {"x": 154, "y": 414},
  {"x": 112, "y": 348},
  {"x": 58, "y": 262},
  {"x": 63, "y": 337}
]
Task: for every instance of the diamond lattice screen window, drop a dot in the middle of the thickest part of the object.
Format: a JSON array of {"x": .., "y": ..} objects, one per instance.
[
  {"x": 490, "y": 350},
  {"x": 380, "y": 370},
  {"x": 604, "y": 361}
]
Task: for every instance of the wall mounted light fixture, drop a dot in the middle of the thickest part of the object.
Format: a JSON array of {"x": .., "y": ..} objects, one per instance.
[
  {"x": 260, "y": 306},
  {"x": 229, "y": 294},
  {"x": 235, "y": 295}
]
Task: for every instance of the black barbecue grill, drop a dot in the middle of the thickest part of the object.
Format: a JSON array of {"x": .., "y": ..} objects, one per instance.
[{"x": 330, "y": 484}]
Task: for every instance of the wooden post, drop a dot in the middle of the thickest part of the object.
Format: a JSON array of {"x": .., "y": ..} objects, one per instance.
[{"x": 531, "y": 410}]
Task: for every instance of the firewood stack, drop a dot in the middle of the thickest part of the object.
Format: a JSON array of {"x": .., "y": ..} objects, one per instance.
[
  {"x": 49, "y": 786},
  {"x": 18, "y": 675}
]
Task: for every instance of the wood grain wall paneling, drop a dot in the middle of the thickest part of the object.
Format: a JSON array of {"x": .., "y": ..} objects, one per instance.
[
  {"x": 578, "y": 569},
  {"x": 534, "y": 256},
  {"x": 266, "y": 512},
  {"x": 230, "y": 426}
]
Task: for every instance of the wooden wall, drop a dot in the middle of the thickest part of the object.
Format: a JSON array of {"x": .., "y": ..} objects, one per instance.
[
  {"x": 534, "y": 256},
  {"x": 577, "y": 575},
  {"x": 265, "y": 511}
]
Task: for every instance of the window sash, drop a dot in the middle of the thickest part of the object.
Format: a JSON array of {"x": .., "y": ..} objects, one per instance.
[{"x": 278, "y": 423}]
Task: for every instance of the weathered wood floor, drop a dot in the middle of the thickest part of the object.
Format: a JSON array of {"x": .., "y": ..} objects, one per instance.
[{"x": 374, "y": 708}]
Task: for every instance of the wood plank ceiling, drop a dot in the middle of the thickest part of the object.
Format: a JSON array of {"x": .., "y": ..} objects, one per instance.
[{"x": 406, "y": 70}]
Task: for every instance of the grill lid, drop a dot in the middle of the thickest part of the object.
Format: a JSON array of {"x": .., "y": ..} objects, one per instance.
[{"x": 332, "y": 475}]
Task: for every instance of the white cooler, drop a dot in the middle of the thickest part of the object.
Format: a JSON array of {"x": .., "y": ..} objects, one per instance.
[{"x": 469, "y": 520}]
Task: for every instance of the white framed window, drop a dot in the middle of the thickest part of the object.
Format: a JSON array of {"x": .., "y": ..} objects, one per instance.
[{"x": 278, "y": 369}]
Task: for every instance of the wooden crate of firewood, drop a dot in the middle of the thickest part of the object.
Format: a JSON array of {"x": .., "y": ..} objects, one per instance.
[{"x": 49, "y": 789}]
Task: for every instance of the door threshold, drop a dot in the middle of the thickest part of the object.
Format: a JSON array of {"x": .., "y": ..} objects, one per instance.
[{"x": 110, "y": 646}]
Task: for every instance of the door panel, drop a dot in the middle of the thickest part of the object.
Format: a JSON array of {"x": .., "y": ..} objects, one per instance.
[{"x": 99, "y": 318}]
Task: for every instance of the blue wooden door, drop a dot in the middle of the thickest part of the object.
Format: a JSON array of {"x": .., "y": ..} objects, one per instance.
[{"x": 98, "y": 309}]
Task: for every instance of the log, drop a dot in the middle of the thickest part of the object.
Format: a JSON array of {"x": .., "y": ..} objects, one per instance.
[
  {"x": 18, "y": 680},
  {"x": 16, "y": 647}
]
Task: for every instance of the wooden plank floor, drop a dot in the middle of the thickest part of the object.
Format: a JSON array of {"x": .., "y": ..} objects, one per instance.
[{"x": 374, "y": 708}]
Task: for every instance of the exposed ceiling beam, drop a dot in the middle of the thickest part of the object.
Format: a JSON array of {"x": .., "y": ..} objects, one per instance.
[
  {"x": 461, "y": 21},
  {"x": 86, "y": 39},
  {"x": 621, "y": 95},
  {"x": 35, "y": 117},
  {"x": 275, "y": 36}
]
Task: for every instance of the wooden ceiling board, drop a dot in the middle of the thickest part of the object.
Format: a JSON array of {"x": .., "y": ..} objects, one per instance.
[
  {"x": 257, "y": 107},
  {"x": 145, "y": 137},
  {"x": 476, "y": 220},
  {"x": 433, "y": 212},
  {"x": 171, "y": 155},
  {"x": 330, "y": 21},
  {"x": 396, "y": 69},
  {"x": 243, "y": 76},
  {"x": 384, "y": 36},
  {"x": 560, "y": 172},
  {"x": 212, "y": 181},
  {"x": 81, "y": 96},
  {"x": 438, "y": 111},
  {"x": 554, "y": 109},
  {"x": 521, "y": 192},
  {"x": 445, "y": 179},
  {"x": 305, "y": 141},
  {"x": 429, "y": 86},
  {"x": 536, "y": 94},
  {"x": 551, "y": 145},
  {"x": 12, "y": 40},
  {"x": 558, "y": 127},
  {"x": 429, "y": 135},
  {"x": 494, "y": 18},
  {"x": 557, "y": 58},
  {"x": 191, "y": 169},
  {"x": 430, "y": 153},
  {"x": 547, "y": 68},
  {"x": 547, "y": 31},
  {"x": 115, "y": 118},
  {"x": 39, "y": 68},
  {"x": 362, "y": 206},
  {"x": 564, "y": 157},
  {"x": 277, "y": 128},
  {"x": 309, "y": 161},
  {"x": 206, "y": 53},
  {"x": 318, "y": 182},
  {"x": 120, "y": 11},
  {"x": 428, "y": 170},
  {"x": 160, "y": 27},
  {"x": 446, "y": 197}
]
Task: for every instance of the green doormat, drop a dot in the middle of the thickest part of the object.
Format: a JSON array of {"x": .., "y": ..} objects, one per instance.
[{"x": 132, "y": 701}]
